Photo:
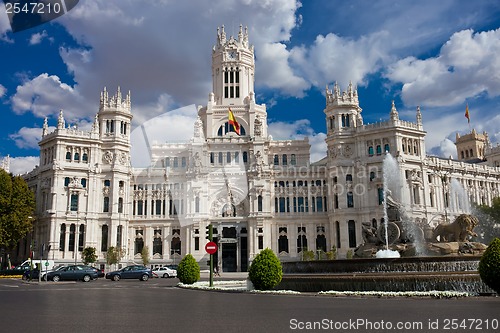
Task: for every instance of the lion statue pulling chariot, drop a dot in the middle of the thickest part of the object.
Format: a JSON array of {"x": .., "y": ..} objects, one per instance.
[{"x": 458, "y": 231}]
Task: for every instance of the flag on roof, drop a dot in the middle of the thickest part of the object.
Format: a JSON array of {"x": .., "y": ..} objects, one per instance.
[{"x": 233, "y": 122}]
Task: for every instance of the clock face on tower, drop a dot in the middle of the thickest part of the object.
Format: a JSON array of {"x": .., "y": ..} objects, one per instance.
[{"x": 231, "y": 55}]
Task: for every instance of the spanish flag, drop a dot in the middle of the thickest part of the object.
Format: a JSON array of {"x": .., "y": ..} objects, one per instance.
[
  {"x": 233, "y": 122},
  {"x": 467, "y": 112}
]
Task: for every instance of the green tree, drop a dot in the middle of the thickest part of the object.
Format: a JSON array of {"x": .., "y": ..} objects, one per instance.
[
  {"x": 188, "y": 270},
  {"x": 489, "y": 266},
  {"x": 489, "y": 221},
  {"x": 114, "y": 255},
  {"x": 17, "y": 205},
  {"x": 145, "y": 255},
  {"x": 266, "y": 271},
  {"x": 89, "y": 255}
]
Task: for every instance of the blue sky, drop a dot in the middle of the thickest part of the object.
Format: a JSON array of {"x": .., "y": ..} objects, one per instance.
[{"x": 439, "y": 55}]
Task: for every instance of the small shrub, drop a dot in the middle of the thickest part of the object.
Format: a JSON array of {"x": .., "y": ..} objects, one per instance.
[
  {"x": 489, "y": 265},
  {"x": 265, "y": 271},
  {"x": 188, "y": 270},
  {"x": 307, "y": 255},
  {"x": 332, "y": 255},
  {"x": 349, "y": 254}
]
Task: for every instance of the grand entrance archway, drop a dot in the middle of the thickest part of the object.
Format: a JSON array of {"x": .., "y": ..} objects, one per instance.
[{"x": 232, "y": 241}]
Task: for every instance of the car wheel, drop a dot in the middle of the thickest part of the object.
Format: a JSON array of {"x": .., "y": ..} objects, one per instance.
[
  {"x": 145, "y": 277},
  {"x": 56, "y": 278},
  {"x": 116, "y": 278},
  {"x": 44, "y": 277},
  {"x": 86, "y": 278},
  {"x": 166, "y": 275}
]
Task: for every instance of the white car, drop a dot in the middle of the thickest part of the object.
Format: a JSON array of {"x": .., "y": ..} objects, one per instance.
[{"x": 165, "y": 272}]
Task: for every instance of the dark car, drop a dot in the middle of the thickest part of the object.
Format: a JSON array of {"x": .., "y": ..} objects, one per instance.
[
  {"x": 33, "y": 274},
  {"x": 131, "y": 272},
  {"x": 100, "y": 272},
  {"x": 73, "y": 273}
]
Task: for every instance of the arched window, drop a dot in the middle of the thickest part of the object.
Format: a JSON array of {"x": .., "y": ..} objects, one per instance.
[
  {"x": 348, "y": 177},
  {"x": 62, "y": 237},
  {"x": 386, "y": 148},
  {"x": 138, "y": 245},
  {"x": 351, "y": 228},
  {"x": 350, "y": 200},
  {"x": 72, "y": 234},
  {"x": 226, "y": 128},
  {"x": 197, "y": 205},
  {"x": 104, "y": 238},
  {"x": 245, "y": 157},
  {"x": 85, "y": 157},
  {"x": 66, "y": 181},
  {"x": 321, "y": 243},
  {"x": 175, "y": 246},
  {"x": 68, "y": 156},
  {"x": 259, "y": 203},
  {"x": 370, "y": 151},
  {"x": 293, "y": 160},
  {"x": 77, "y": 156},
  {"x": 337, "y": 229},
  {"x": 119, "y": 233},
  {"x": 157, "y": 245},
  {"x": 379, "y": 150},
  {"x": 283, "y": 244},
  {"x": 301, "y": 242},
  {"x": 380, "y": 195},
  {"x": 81, "y": 237},
  {"x": 276, "y": 160},
  {"x": 284, "y": 159},
  {"x": 84, "y": 182},
  {"x": 105, "y": 206}
]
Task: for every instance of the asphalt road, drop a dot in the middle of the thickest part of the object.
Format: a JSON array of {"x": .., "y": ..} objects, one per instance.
[{"x": 158, "y": 306}]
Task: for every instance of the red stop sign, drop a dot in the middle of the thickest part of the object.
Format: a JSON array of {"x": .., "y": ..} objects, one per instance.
[{"x": 211, "y": 247}]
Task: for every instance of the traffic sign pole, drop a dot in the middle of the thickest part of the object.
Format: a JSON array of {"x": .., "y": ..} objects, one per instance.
[{"x": 211, "y": 248}]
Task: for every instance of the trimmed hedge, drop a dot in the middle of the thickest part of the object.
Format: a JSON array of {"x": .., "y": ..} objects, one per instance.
[
  {"x": 188, "y": 270},
  {"x": 489, "y": 265},
  {"x": 266, "y": 271}
]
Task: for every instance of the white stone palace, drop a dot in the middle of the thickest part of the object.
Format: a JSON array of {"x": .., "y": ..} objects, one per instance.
[{"x": 257, "y": 192}]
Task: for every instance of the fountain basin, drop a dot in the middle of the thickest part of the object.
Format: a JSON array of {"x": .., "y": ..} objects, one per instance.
[{"x": 385, "y": 274}]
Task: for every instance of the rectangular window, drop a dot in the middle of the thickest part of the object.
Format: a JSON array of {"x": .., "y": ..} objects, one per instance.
[
  {"x": 237, "y": 91},
  {"x": 261, "y": 242},
  {"x": 74, "y": 203},
  {"x": 140, "y": 207},
  {"x": 197, "y": 243}
]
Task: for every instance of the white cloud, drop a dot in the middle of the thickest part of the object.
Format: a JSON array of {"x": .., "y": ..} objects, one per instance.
[
  {"x": 27, "y": 138},
  {"x": 463, "y": 69},
  {"x": 298, "y": 130},
  {"x": 341, "y": 59},
  {"x": 45, "y": 95},
  {"x": 275, "y": 72},
  {"x": 21, "y": 165},
  {"x": 38, "y": 37},
  {"x": 115, "y": 34},
  {"x": 3, "y": 91},
  {"x": 4, "y": 26}
]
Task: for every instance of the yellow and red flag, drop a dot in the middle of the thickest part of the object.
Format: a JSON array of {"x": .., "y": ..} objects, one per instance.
[
  {"x": 233, "y": 122},
  {"x": 467, "y": 112}
]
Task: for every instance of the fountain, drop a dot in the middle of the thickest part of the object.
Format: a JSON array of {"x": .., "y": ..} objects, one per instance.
[{"x": 397, "y": 256}]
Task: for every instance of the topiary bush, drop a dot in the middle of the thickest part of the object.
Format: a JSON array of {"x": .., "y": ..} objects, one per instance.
[
  {"x": 489, "y": 265},
  {"x": 265, "y": 271},
  {"x": 188, "y": 270}
]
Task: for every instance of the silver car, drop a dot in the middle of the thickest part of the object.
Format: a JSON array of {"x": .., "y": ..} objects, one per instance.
[{"x": 165, "y": 272}]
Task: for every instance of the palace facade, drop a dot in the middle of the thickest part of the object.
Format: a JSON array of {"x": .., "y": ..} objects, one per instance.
[{"x": 256, "y": 191}]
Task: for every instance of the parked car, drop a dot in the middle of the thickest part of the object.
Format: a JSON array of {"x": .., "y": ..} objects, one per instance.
[
  {"x": 131, "y": 272},
  {"x": 73, "y": 273},
  {"x": 165, "y": 272},
  {"x": 100, "y": 272},
  {"x": 33, "y": 274}
]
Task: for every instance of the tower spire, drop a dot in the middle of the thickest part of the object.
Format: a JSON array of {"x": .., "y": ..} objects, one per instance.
[{"x": 394, "y": 112}]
